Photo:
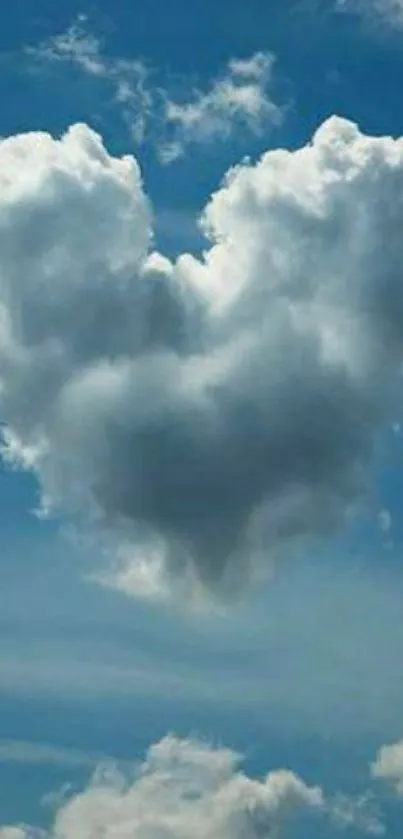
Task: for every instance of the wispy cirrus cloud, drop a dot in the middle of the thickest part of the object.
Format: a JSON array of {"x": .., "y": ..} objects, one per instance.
[
  {"x": 388, "y": 766},
  {"x": 389, "y": 12},
  {"x": 127, "y": 81},
  {"x": 29, "y": 752},
  {"x": 239, "y": 99}
]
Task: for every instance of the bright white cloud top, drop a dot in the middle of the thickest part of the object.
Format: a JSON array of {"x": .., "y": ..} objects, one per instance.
[
  {"x": 204, "y": 414},
  {"x": 187, "y": 789},
  {"x": 388, "y": 766}
]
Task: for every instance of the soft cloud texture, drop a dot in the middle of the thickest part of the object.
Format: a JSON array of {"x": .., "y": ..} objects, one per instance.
[
  {"x": 388, "y": 766},
  {"x": 26, "y": 752},
  {"x": 77, "y": 46},
  {"x": 127, "y": 81},
  {"x": 186, "y": 789},
  {"x": 203, "y": 415},
  {"x": 240, "y": 99}
]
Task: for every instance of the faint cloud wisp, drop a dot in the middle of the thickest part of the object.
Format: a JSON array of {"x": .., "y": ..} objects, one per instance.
[{"x": 238, "y": 100}]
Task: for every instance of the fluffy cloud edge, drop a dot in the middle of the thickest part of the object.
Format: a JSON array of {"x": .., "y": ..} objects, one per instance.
[
  {"x": 186, "y": 782},
  {"x": 388, "y": 766},
  {"x": 207, "y": 414}
]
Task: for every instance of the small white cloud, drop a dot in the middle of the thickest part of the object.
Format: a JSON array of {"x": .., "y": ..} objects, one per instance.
[
  {"x": 361, "y": 812},
  {"x": 127, "y": 80},
  {"x": 77, "y": 46},
  {"x": 259, "y": 66},
  {"x": 240, "y": 98},
  {"x": 388, "y": 766}
]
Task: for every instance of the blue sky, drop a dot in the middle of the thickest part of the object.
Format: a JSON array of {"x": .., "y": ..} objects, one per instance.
[{"x": 243, "y": 594}]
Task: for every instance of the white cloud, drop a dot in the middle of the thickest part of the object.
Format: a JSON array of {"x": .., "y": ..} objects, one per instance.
[
  {"x": 204, "y": 415},
  {"x": 75, "y": 45},
  {"x": 240, "y": 99},
  {"x": 128, "y": 80},
  {"x": 361, "y": 812},
  {"x": 185, "y": 789},
  {"x": 258, "y": 66},
  {"x": 388, "y": 766}
]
